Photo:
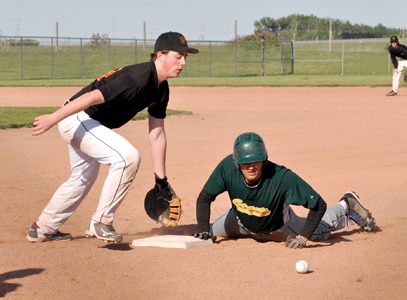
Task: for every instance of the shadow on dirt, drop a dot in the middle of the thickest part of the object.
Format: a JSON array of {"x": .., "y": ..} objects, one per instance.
[{"x": 6, "y": 287}]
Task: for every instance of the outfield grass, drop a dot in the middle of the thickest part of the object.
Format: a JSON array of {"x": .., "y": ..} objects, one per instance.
[
  {"x": 216, "y": 60},
  {"x": 288, "y": 81},
  {"x": 17, "y": 117},
  {"x": 272, "y": 81}
]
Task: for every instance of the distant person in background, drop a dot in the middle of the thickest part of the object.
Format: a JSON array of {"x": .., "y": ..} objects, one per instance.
[{"x": 397, "y": 50}]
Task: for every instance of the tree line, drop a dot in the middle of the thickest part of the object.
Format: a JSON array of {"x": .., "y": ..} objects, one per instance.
[{"x": 305, "y": 28}]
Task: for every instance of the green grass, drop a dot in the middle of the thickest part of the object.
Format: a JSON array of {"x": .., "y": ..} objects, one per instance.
[
  {"x": 215, "y": 60},
  {"x": 270, "y": 80},
  {"x": 288, "y": 81},
  {"x": 17, "y": 117}
]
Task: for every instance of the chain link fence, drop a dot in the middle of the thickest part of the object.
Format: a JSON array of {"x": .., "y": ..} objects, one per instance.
[{"x": 74, "y": 58}]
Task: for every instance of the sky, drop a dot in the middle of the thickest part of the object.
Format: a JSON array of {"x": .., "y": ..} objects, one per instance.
[{"x": 210, "y": 20}]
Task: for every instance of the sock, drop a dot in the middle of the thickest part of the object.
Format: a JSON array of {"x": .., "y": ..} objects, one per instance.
[{"x": 343, "y": 203}]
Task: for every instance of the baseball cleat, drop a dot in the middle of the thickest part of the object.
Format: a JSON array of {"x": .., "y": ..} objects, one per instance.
[
  {"x": 36, "y": 235},
  {"x": 356, "y": 213},
  {"x": 103, "y": 232},
  {"x": 391, "y": 93}
]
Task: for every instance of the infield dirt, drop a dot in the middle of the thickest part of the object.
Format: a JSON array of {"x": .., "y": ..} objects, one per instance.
[{"x": 337, "y": 139}]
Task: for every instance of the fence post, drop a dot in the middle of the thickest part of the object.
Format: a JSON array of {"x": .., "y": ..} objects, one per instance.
[
  {"x": 21, "y": 59},
  {"x": 343, "y": 58},
  {"x": 292, "y": 56},
  {"x": 108, "y": 54},
  {"x": 135, "y": 51},
  {"x": 210, "y": 59},
  {"x": 281, "y": 57},
  {"x": 52, "y": 58},
  {"x": 262, "y": 58},
  {"x": 81, "y": 59},
  {"x": 235, "y": 43}
]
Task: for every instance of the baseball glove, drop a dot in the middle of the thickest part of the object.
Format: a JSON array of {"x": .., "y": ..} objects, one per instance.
[{"x": 163, "y": 206}]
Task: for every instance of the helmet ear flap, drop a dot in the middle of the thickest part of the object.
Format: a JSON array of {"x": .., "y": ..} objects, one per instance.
[{"x": 236, "y": 164}]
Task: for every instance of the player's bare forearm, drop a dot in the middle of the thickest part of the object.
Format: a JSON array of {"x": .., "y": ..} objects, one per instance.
[
  {"x": 158, "y": 146},
  {"x": 45, "y": 122}
]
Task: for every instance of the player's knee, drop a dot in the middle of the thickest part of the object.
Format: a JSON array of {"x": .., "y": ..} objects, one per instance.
[
  {"x": 132, "y": 161},
  {"x": 128, "y": 160}
]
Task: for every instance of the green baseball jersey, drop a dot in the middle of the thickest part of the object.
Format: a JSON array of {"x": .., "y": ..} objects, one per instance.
[{"x": 260, "y": 209}]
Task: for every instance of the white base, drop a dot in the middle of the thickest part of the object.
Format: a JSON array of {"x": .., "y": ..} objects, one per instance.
[{"x": 171, "y": 241}]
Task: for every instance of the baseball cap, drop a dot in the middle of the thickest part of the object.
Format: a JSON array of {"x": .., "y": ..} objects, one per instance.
[
  {"x": 174, "y": 41},
  {"x": 394, "y": 39}
]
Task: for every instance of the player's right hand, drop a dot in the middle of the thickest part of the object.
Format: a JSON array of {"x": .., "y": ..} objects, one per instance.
[{"x": 42, "y": 124}]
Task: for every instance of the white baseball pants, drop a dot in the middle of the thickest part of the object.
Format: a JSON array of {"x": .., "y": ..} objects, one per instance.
[
  {"x": 396, "y": 76},
  {"x": 90, "y": 145}
]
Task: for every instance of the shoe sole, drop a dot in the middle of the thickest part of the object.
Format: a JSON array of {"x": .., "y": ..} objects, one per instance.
[
  {"x": 370, "y": 222},
  {"x": 107, "y": 240},
  {"x": 91, "y": 234},
  {"x": 356, "y": 197},
  {"x": 35, "y": 240},
  {"x": 39, "y": 240}
]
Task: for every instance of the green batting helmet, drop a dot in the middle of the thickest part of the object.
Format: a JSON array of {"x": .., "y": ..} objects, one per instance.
[{"x": 249, "y": 147}]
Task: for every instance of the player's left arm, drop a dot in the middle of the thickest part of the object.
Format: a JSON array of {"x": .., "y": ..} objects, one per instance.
[
  {"x": 158, "y": 145},
  {"x": 164, "y": 191},
  {"x": 314, "y": 217},
  {"x": 203, "y": 210},
  {"x": 394, "y": 60},
  {"x": 203, "y": 213}
]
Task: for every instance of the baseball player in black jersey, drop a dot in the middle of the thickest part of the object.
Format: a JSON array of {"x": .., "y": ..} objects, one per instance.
[
  {"x": 85, "y": 122},
  {"x": 397, "y": 50},
  {"x": 261, "y": 193}
]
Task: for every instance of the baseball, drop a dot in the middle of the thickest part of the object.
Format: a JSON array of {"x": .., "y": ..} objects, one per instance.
[{"x": 301, "y": 266}]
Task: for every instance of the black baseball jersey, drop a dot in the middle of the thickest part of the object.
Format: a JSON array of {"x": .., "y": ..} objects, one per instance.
[
  {"x": 127, "y": 91},
  {"x": 400, "y": 51},
  {"x": 260, "y": 209}
]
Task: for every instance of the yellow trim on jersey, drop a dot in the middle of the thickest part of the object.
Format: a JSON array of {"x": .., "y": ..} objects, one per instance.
[
  {"x": 250, "y": 210},
  {"x": 107, "y": 74}
]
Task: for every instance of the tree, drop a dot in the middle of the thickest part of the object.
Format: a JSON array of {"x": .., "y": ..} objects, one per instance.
[
  {"x": 99, "y": 41},
  {"x": 301, "y": 27}
]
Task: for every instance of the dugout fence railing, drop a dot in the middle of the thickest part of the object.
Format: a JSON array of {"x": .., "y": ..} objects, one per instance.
[{"x": 74, "y": 58}]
